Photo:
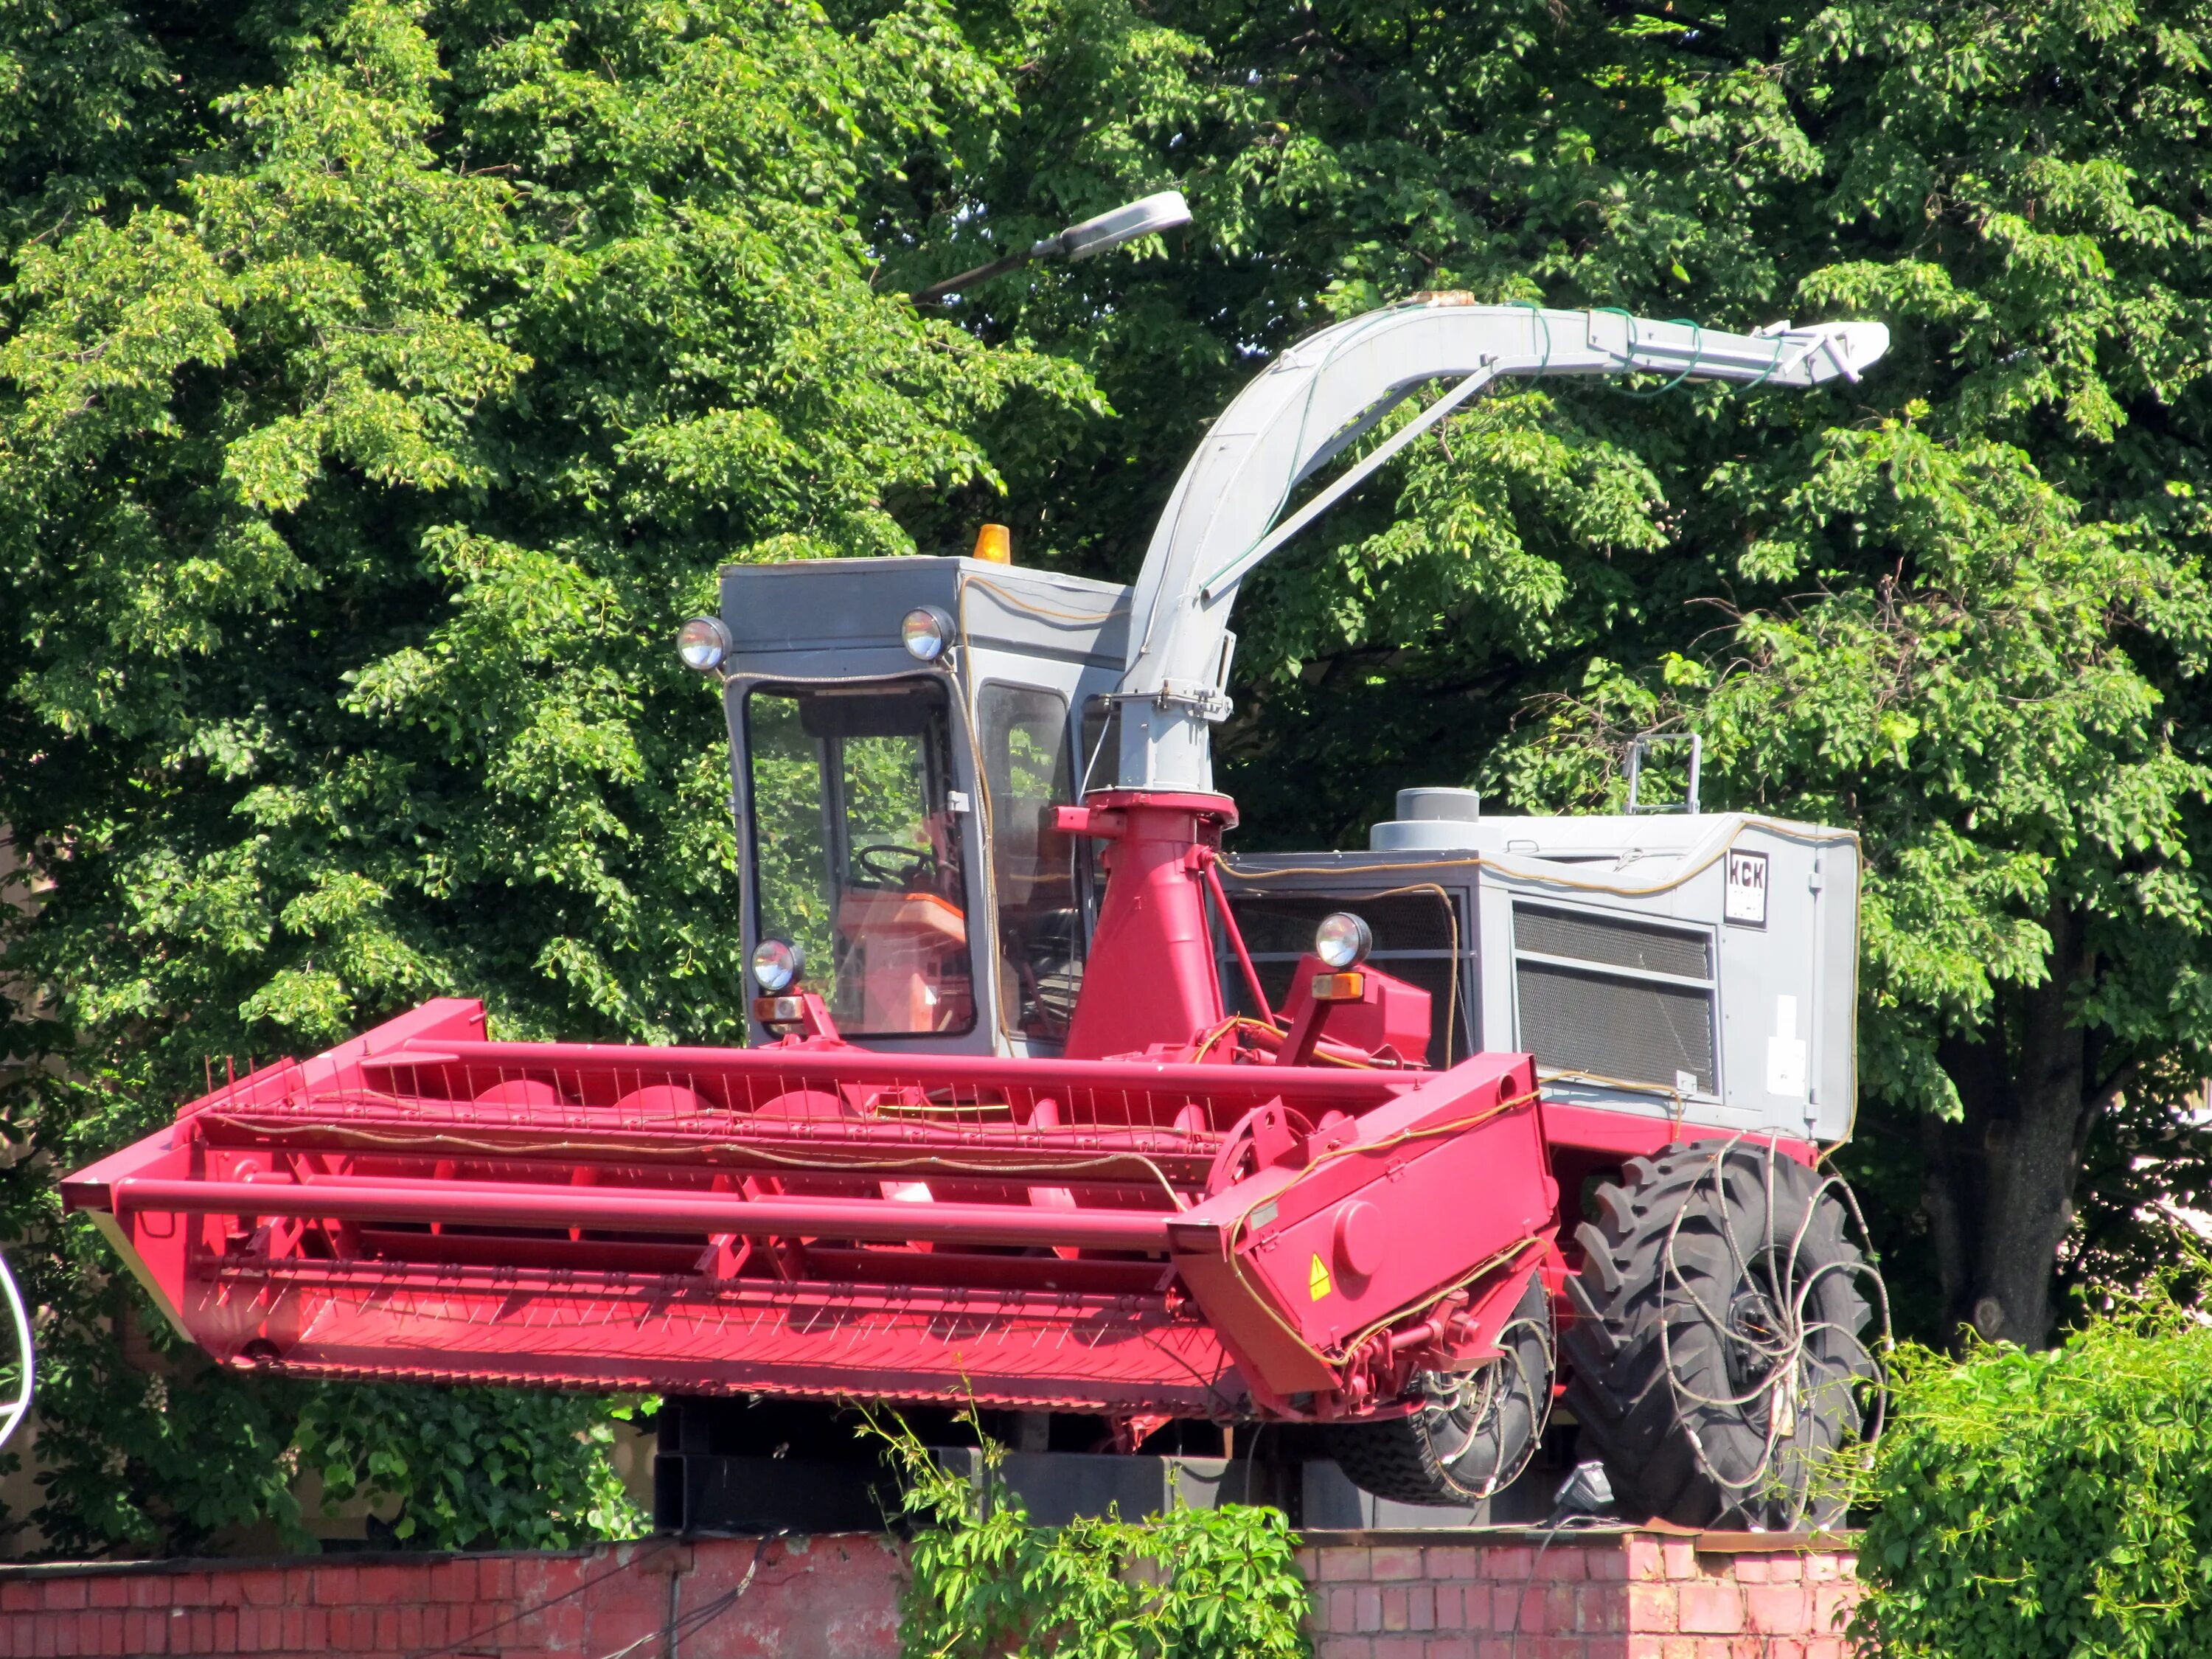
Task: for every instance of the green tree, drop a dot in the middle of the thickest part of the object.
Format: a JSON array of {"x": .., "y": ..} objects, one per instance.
[
  {"x": 377, "y": 386},
  {"x": 1957, "y": 607}
]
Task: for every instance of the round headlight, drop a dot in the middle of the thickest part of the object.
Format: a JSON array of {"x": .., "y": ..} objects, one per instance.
[
  {"x": 1342, "y": 940},
  {"x": 925, "y": 633},
  {"x": 704, "y": 642},
  {"x": 776, "y": 962}
]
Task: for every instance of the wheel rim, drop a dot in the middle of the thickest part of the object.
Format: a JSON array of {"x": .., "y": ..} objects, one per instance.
[
  {"x": 1460, "y": 1409},
  {"x": 1762, "y": 1337}
]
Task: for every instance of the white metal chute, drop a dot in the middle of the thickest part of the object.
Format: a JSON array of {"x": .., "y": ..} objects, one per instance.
[{"x": 1327, "y": 393}]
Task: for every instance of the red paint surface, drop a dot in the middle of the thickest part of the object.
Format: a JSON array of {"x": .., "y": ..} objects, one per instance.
[{"x": 1177, "y": 1221}]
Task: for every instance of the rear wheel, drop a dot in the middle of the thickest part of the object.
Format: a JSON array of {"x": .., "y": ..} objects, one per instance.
[
  {"x": 1721, "y": 1355},
  {"x": 1472, "y": 1432}
]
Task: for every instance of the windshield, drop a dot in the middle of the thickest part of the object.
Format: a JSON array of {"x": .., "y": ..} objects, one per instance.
[{"x": 857, "y": 852}]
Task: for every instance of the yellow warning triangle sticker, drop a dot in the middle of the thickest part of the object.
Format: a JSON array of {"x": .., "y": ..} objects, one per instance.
[{"x": 1318, "y": 1280}]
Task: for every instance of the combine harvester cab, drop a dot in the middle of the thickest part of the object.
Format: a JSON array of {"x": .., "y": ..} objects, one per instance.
[{"x": 1048, "y": 1105}]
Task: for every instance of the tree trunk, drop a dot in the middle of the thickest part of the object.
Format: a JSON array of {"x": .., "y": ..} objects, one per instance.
[{"x": 1999, "y": 1196}]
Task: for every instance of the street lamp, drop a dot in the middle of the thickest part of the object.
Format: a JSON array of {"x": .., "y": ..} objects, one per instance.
[{"x": 1078, "y": 242}]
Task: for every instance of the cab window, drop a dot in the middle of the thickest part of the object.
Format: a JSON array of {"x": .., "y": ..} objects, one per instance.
[
  {"x": 1028, "y": 770},
  {"x": 856, "y": 852}
]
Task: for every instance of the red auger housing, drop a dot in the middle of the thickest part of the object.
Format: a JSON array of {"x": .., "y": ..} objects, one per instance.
[{"x": 1051, "y": 1106}]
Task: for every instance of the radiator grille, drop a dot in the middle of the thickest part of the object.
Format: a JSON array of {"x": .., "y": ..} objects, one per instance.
[
  {"x": 1623, "y": 1028},
  {"x": 1612, "y": 1024},
  {"x": 1612, "y": 941}
]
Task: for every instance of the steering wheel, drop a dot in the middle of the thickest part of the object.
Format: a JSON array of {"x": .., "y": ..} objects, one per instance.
[{"x": 917, "y": 862}]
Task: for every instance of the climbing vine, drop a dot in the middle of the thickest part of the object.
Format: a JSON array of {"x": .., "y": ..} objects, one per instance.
[
  {"x": 988, "y": 1583},
  {"x": 2053, "y": 1506}
]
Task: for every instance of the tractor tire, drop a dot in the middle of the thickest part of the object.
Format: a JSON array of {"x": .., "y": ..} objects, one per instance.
[
  {"x": 1718, "y": 1357},
  {"x": 1472, "y": 1432}
]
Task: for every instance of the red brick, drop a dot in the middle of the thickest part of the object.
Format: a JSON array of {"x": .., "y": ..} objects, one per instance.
[
  {"x": 387, "y": 1627},
  {"x": 200, "y": 1632},
  {"x": 1345, "y": 1647},
  {"x": 387, "y": 1586},
  {"x": 1476, "y": 1602},
  {"x": 1396, "y": 1563},
  {"x": 110, "y": 1592},
  {"x": 1337, "y": 1565},
  {"x": 1309, "y": 1564},
  {"x": 496, "y": 1577},
  {"x": 1785, "y": 1569},
  {"x": 1744, "y": 1568},
  {"x": 224, "y": 1623},
  {"x": 1709, "y": 1609},
  {"x": 1778, "y": 1609},
  {"x": 1651, "y": 1609},
  {"x": 1451, "y": 1603},
  {"x": 1682, "y": 1558},
  {"x": 1421, "y": 1607},
  {"x": 1367, "y": 1609},
  {"x": 1450, "y": 1647},
  {"x": 190, "y": 1590},
  {"x": 65, "y": 1595},
  {"x": 1396, "y": 1615},
  {"x": 1822, "y": 1567},
  {"x": 1831, "y": 1607},
  {"x": 1525, "y": 1609},
  {"x": 1512, "y": 1563},
  {"x": 1607, "y": 1563},
  {"x": 1454, "y": 1561},
  {"x": 1563, "y": 1566},
  {"x": 1342, "y": 1613},
  {"x": 1400, "y": 1647},
  {"x": 148, "y": 1589},
  {"x": 1827, "y": 1647},
  {"x": 1601, "y": 1609},
  {"x": 1645, "y": 1559},
  {"x": 21, "y": 1595},
  {"x": 336, "y": 1587},
  {"x": 261, "y": 1589}
]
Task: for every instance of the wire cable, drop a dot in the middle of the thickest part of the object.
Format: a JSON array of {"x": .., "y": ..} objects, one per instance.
[{"x": 19, "y": 1408}]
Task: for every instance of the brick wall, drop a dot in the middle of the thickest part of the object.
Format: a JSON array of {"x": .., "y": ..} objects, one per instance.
[
  {"x": 819, "y": 1598},
  {"x": 1611, "y": 1593}
]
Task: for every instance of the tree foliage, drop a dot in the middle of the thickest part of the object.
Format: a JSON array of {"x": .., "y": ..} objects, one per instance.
[
  {"x": 2026, "y": 1504},
  {"x": 1957, "y": 606},
  {"x": 378, "y": 382},
  {"x": 362, "y": 432}
]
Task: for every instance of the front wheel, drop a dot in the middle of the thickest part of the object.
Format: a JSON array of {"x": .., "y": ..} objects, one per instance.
[
  {"x": 1720, "y": 1355},
  {"x": 1472, "y": 1432}
]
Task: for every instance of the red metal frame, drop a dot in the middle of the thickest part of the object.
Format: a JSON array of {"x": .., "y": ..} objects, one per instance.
[{"x": 1173, "y": 1219}]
